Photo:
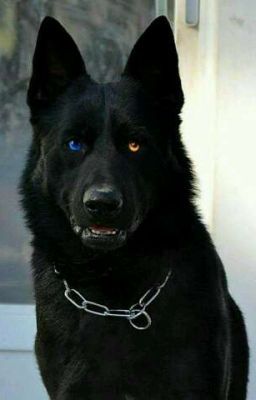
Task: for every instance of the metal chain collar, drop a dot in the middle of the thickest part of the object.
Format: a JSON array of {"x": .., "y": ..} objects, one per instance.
[{"x": 136, "y": 310}]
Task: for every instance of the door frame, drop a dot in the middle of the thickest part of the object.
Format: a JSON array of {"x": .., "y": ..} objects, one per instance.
[{"x": 197, "y": 48}]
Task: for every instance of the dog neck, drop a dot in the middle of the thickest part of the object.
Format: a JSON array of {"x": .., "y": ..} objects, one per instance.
[{"x": 137, "y": 314}]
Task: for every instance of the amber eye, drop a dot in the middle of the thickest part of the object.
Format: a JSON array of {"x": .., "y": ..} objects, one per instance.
[{"x": 134, "y": 146}]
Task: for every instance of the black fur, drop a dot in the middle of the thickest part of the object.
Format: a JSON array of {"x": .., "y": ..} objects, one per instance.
[{"x": 196, "y": 347}]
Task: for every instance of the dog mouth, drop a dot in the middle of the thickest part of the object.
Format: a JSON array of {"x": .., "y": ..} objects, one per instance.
[
  {"x": 99, "y": 236},
  {"x": 102, "y": 230}
]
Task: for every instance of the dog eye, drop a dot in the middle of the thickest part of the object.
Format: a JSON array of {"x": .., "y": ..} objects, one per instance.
[
  {"x": 134, "y": 146},
  {"x": 75, "y": 146}
]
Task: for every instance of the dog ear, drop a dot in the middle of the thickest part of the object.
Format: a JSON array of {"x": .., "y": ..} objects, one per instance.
[
  {"x": 154, "y": 62},
  {"x": 56, "y": 62}
]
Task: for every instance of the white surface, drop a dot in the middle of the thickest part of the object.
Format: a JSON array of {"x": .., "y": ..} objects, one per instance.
[
  {"x": 235, "y": 180},
  {"x": 218, "y": 67},
  {"x": 18, "y": 327},
  {"x": 197, "y": 50},
  {"x": 19, "y": 377}
]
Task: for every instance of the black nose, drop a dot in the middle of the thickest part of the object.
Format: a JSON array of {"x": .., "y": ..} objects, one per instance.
[{"x": 102, "y": 201}]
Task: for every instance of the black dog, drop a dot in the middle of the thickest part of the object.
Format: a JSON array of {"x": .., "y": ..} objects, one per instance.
[{"x": 108, "y": 195}]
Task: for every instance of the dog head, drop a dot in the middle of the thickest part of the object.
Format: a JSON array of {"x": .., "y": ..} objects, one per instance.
[{"x": 104, "y": 156}]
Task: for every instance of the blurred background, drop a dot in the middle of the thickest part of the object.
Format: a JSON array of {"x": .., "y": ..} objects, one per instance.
[{"x": 216, "y": 46}]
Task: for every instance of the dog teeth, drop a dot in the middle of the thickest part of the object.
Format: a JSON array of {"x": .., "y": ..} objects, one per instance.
[
  {"x": 77, "y": 229},
  {"x": 105, "y": 232},
  {"x": 97, "y": 232}
]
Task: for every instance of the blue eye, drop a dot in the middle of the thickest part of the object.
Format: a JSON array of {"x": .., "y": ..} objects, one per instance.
[{"x": 75, "y": 145}]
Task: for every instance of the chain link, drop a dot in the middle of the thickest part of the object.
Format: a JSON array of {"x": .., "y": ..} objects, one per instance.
[{"x": 131, "y": 314}]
